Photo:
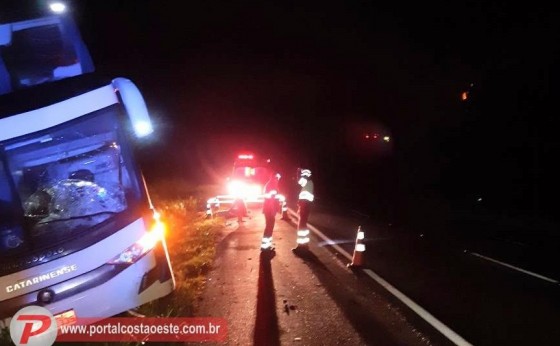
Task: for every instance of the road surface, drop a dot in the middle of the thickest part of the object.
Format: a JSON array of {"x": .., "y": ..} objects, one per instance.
[
  {"x": 311, "y": 299},
  {"x": 491, "y": 283}
]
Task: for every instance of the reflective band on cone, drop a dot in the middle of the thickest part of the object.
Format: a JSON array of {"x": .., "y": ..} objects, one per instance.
[{"x": 359, "y": 249}]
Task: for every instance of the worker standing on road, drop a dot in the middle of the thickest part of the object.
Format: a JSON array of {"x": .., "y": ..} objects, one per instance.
[
  {"x": 305, "y": 200},
  {"x": 239, "y": 208},
  {"x": 271, "y": 207}
]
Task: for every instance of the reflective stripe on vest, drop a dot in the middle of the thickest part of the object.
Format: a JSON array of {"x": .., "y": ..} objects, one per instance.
[{"x": 306, "y": 195}]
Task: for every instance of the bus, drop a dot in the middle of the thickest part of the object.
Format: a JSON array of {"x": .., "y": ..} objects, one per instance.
[{"x": 79, "y": 234}]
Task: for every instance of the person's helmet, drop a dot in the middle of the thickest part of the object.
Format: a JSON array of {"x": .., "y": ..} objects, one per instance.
[{"x": 305, "y": 173}]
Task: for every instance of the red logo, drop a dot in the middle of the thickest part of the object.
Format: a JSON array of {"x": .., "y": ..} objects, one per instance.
[{"x": 33, "y": 326}]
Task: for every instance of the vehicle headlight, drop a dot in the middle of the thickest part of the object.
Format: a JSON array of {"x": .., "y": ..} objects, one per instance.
[{"x": 155, "y": 233}]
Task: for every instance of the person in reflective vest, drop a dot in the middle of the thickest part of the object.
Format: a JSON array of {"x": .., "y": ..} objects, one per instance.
[
  {"x": 305, "y": 200},
  {"x": 271, "y": 207}
]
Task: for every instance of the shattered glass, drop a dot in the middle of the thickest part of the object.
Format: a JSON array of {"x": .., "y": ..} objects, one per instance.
[{"x": 75, "y": 203}]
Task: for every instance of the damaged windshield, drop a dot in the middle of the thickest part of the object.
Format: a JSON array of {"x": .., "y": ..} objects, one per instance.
[{"x": 61, "y": 183}]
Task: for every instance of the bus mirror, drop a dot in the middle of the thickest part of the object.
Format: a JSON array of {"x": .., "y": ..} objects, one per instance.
[
  {"x": 5, "y": 34},
  {"x": 135, "y": 106}
]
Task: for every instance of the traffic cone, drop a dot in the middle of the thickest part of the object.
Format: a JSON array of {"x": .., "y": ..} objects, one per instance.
[{"x": 359, "y": 249}]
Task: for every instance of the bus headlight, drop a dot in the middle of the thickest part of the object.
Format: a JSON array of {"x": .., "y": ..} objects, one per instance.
[{"x": 142, "y": 246}]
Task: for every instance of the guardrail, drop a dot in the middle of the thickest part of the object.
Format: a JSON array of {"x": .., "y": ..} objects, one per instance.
[{"x": 217, "y": 203}]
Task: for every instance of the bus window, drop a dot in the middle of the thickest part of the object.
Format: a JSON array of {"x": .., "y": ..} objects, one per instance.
[{"x": 74, "y": 178}]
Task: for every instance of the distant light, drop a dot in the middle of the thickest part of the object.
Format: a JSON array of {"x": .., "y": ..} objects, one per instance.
[
  {"x": 464, "y": 95},
  {"x": 479, "y": 199},
  {"x": 57, "y": 7},
  {"x": 245, "y": 157},
  {"x": 366, "y": 136},
  {"x": 386, "y": 138},
  {"x": 375, "y": 136},
  {"x": 143, "y": 128}
]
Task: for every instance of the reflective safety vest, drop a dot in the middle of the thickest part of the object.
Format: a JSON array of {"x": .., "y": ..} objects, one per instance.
[
  {"x": 271, "y": 204},
  {"x": 306, "y": 192}
]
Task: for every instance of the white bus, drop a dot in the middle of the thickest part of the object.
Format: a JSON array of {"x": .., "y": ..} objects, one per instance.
[{"x": 78, "y": 233}]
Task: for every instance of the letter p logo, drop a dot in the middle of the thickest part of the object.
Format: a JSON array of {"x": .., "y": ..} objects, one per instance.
[
  {"x": 33, "y": 326},
  {"x": 28, "y": 329}
]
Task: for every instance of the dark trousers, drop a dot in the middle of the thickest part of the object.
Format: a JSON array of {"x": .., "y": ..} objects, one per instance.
[
  {"x": 304, "y": 207},
  {"x": 240, "y": 209},
  {"x": 270, "y": 219}
]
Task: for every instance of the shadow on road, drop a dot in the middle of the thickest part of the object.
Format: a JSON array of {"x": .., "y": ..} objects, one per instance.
[
  {"x": 266, "y": 324},
  {"x": 351, "y": 301},
  {"x": 310, "y": 258}
]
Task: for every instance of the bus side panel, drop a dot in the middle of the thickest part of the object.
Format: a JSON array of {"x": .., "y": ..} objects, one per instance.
[{"x": 116, "y": 295}]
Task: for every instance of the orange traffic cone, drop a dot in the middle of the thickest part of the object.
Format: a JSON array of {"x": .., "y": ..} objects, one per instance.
[{"x": 359, "y": 248}]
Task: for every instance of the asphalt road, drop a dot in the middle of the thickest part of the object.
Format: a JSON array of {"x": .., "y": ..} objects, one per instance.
[
  {"x": 489, "y": 286},
  {"x": 309, "y": 299}
]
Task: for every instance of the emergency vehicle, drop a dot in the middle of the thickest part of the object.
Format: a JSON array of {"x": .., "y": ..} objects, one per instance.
[{"x": 248, "y": 177}]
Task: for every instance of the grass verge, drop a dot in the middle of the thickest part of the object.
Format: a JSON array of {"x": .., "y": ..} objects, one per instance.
[{"x": 191, "y": 244}]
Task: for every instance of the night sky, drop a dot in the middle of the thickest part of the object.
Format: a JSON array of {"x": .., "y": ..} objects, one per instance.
[{"x": 303, "y": 82}]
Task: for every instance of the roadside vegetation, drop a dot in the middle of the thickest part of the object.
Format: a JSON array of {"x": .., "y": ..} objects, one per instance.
[
  {"x": 190, "y": 241},
  {"x": 5, "y": 337}
]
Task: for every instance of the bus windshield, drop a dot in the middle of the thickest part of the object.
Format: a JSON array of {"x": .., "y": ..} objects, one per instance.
[{"x": 57, "y": 184}]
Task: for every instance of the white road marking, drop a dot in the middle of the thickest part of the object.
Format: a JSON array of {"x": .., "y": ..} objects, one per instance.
[
  {"x": 542, "y": 277},
  {"x": 437, "y": 324},
  {"x": 325, "y": 238},
  {"x": 434, "y": 322}
]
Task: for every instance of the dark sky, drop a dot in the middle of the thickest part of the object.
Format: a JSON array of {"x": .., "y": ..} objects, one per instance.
[{"x": 303, "y": 81}]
